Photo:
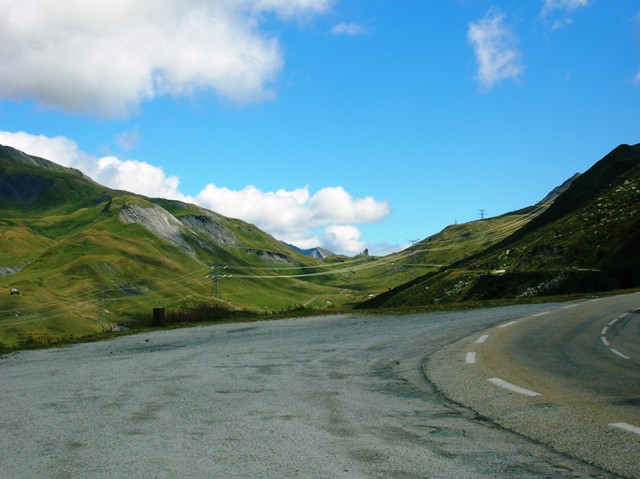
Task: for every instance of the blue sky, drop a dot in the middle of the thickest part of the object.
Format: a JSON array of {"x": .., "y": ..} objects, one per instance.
[{"x": 335, "y": 123}]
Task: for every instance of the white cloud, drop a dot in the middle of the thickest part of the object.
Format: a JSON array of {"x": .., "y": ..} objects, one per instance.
[
  {"x": 349, "y": 29},
  {"x": 344, "y": 238},
  {"x": 564, "y": 5},
  {"x": 138, "y": 177},
  {"x": 292, "y": 9},
  {"x": 59, "y": 149},
  {"x": 107, "y": 57},
  {"x": 557, "y": 12},
  {"x": 275, "y": 211},
  {"x": 291, "y": 216},
  {"x": 495, "y": 47},
  {"x": 337, "y": 204},
  {"x": 130, "y": 175}
]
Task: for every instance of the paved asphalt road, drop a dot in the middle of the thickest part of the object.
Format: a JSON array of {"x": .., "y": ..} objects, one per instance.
[
  {"x": 330, "y": 397},
  {"x": 578, "y": 369}
]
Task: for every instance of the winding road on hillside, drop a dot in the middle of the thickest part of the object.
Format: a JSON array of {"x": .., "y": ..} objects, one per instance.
[
  {"x": 329, "y": 397},
  {"x": 568, "y": 376}
]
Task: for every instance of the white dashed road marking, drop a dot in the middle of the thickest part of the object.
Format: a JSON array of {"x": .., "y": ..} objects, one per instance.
[
  {"x": 618, "y": 353},
  {"x": 471, "y": 358},
  {"x": 626, "y": 427},
  {"x": 603, "y": 337},
  {"x": 512, "y": 387}
]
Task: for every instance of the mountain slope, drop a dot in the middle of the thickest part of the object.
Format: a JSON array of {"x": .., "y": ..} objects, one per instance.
[
  {"x": 85, "y": 257},
  {"x": 587, "y": 240}
]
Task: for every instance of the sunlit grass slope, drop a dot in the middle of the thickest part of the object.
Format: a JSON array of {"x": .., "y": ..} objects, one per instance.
[{"x": 80, "y": 268}]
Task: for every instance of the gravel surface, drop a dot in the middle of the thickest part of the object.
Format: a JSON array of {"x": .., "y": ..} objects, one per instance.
[{"x": 330, "y": 397}]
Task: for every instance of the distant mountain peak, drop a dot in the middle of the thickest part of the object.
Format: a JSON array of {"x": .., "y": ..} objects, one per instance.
[{"x": 317, "y": 252}]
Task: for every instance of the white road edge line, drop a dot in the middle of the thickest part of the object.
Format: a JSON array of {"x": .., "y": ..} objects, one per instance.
[
  {"x": 612, "y": 322},
  {"x": 470, "y": 359},
  {"x": 507, "y": 324},
  {"x": 482, "y": 339},
  {"x": 541, "y": 314},
  {"x": 570, "y": 306},
  {"x": 604, "y": 340},
  {"x": 626, "y": 427},
  {"x": 623, "y": 315},
  {"x": 512, "y": 387},
  {"x": 615, "y": 351},
  {"x": 604, "y": 330}
]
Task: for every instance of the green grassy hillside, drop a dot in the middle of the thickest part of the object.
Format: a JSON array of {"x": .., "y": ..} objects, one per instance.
[
  {"x": 84, "y": 258},
  {"x": 588, "y": 240}
]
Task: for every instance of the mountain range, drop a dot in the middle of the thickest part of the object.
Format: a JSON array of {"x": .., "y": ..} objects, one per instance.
[{"x": 85, "y": 257}]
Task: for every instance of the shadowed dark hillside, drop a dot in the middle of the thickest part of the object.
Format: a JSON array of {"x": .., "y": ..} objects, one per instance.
[{"x": 588, "y": 240}]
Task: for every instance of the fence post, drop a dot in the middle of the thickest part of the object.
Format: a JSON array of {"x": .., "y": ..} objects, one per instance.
[{"x": 158, "y": 317}]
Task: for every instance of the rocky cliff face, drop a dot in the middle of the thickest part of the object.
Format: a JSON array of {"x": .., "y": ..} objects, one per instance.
[
  {"x": 210, "y": 228},
  {"x": 158, "y": 221},
  {"x": 7, "y": 270},
  {"x": 202, "y": 229}
]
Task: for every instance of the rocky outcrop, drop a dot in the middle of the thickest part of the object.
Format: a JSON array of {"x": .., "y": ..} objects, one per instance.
[
  {"x": 7, "y": 270},
  {"x": 158, "y": 221},
  {"x": 133, "y": 289},
  {"x": 272, "y": 256},
  {"x": 318, "y": 252},
  {"x": 211, "y": 229}
]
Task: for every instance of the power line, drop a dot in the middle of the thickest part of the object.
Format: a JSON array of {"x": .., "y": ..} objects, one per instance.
[{"x": 82, "y": 302}]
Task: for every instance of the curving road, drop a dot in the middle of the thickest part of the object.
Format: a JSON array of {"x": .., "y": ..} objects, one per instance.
[
  {"x": 330, "y": 397},
  {"x": 568, "y": 376}
]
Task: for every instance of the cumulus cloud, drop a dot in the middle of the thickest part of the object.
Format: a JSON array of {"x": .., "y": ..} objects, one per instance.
[
  {"x": 107, "y": 57},
  {"x": 344, "y": 238},
  {"x": 496, "y": 49},
  {"x": 58, "y": 149},
  {"x": 349, "y": 29},
  {"x": 293, "y": 216},
  {"x": 131, "y": 175}
]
